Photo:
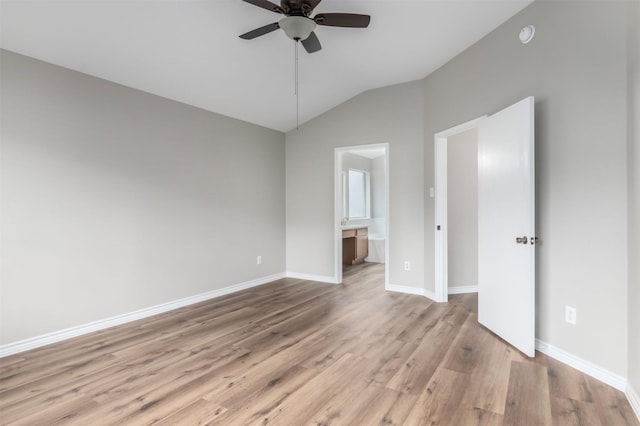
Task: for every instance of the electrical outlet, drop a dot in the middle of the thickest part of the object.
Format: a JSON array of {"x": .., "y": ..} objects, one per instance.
[
  {"x": 570, "y": 315},
  {"x": 259, "y": 260},
  {"x": 407, "y": 265}
]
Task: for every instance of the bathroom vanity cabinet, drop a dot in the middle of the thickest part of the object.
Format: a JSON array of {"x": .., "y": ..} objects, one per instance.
[{"x": 355, "y": 245}]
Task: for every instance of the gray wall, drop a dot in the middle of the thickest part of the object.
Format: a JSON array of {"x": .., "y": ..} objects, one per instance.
[
  {"x": 462, "y": 208},
  {"x": 633, "y": 158},
  {"x": 392, "y": 114},
  {"x": 576, "y": 69},
  {"x": 115, "y": 200},
  {"x": 378, "y": 196},
  {"x": 354, "y": 161}
]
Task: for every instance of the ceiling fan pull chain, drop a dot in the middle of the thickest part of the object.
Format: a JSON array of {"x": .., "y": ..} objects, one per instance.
[{"x": 297, "y": 90}]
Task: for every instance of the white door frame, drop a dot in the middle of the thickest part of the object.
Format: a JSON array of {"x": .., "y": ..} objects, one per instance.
[
  {"x": 441, "y": 233},
  {"x": 338, "y": 207}
]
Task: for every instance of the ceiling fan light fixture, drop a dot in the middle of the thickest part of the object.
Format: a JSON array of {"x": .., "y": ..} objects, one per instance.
[{"x": 297, "y": 27}]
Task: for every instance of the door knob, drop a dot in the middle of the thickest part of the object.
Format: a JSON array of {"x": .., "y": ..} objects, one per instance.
[{"x": 521, "y": 240}]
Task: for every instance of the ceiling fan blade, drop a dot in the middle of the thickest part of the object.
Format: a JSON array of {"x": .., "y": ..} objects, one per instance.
[
  {"x": 266, "y": 4},
  {"x": 311, "y": 44},
  {"x": 260, "y": 31},
  {"x": 349, "y": 20},
  {"x": 312, "y": 4}
]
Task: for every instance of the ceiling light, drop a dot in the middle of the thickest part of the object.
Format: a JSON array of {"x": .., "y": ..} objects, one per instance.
[
  {"x": 297, "y": 27},
  {"x": 526, "y": 34}
]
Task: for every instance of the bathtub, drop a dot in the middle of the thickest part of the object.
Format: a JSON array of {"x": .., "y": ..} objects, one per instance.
[{"x": 376, "y": 248}]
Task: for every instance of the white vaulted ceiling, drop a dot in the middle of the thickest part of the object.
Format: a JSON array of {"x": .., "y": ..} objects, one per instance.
[{"x": 189, "y": 50}]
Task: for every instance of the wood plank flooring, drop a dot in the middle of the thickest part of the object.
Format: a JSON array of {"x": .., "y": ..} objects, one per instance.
[{"x": 295, "y": 352}]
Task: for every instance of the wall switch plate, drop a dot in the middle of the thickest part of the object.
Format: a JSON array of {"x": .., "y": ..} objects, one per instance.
[
  {"x": 407, "y": 265},
  {"x": 259, "y": 260},
  {"x": 570, "y": 315}
]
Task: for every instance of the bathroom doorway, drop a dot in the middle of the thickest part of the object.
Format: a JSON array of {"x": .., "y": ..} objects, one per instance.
[{"x": 361, "y": 206}]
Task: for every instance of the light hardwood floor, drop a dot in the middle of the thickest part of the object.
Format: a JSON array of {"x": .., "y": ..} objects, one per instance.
[{"x": 296, "y": 352}]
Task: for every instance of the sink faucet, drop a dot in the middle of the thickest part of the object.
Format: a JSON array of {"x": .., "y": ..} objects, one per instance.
[{"x": 344, "y": 221}]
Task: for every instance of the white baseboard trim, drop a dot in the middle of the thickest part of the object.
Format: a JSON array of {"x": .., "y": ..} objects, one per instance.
[
  {"x": 430, "y": 295},
  {"x": 68, "y": 333},
  {"x": 634, "y": 399},
  {"x": 410, "y": 290},
  {"x": 404, "y": 289},
  {"x": 311, "y": 277},
  {"x": 593, "y": 370},
  {"x": 463, "y": 289}
]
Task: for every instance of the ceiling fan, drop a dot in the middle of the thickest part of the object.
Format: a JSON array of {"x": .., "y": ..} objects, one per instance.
[{"x": 299, "y": 26}]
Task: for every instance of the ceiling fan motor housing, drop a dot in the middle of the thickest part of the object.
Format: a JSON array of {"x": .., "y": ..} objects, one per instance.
[{"x": 297, "y": 7}]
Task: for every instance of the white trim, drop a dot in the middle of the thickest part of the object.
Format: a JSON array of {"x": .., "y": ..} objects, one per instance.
[
  {"x": 634, "y": 399},
  {"x": 68, "y": 333},
  {"x": 587, "y": 367},
  {"x": 338, "y": 212},
  {"x": 440, "y": 176},
  {"x": 430, "y": 295},
  {"x": 410, "y": 290},
  {"x": 441, "y": 235},
  {"x": 311, "y": 277},
  {"x": 405, "y": 289},
  {"x": 463, "y": 289},
  {"x": 387, "y": 206}
]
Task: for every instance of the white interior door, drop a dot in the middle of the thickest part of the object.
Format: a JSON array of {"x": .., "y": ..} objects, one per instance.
[{"x": 506, "y": 225}]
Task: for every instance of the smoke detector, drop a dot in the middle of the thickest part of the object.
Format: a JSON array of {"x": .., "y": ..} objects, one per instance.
[{"x": 526, "y": 34}]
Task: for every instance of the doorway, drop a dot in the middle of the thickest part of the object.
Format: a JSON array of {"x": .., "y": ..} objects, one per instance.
[
  {"x": 361, "y": 206},
  {"x": 505, "y": 221},
  {"x": 462, "y": 138}
]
